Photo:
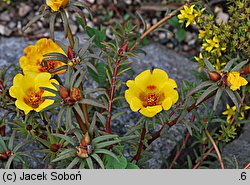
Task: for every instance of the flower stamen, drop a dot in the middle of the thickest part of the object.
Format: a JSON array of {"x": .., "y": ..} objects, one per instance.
[
  {"x": 34, "y": 99},
  {"x": 152, "y": 99}
]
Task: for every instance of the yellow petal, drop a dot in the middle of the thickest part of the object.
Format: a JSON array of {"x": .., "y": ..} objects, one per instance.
[
  {"x": 167, "y": 103},
  {"x": 151, "y": 111},
  {"x": 142, "y": 80},
  {"x": 23, "y": 106}
]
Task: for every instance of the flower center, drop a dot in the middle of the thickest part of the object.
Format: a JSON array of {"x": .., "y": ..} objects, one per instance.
[
  {"x": 48, "y": 66},
  {"x": 152, "y": 99},
  {"x": 34, "y": 99}
]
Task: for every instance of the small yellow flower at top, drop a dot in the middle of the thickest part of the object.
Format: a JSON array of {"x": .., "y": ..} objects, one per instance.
[
  {"x": 229, "y": 112},
  {"x": 235, "y": 81},
  {"x": 189, "y": 14},
  {"x": 213, "y": 45},
  {"x": 28, "y": 93},
  {"x": 55, "y": 5},
  {"x": 32, "y": 61},
  {"x": 151, "y": 92}
]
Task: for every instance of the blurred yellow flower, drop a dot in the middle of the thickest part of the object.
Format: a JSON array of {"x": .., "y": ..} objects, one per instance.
[
  {"x": 187, "y": 15},
  {"x": 55, "y": 5},
  {"x": 229, "y": 112},
  {"x": 213, "y": 45},
  {"x": 150, "y": 92},
  {"x": 32, "y": 61},
  {"x": 29, "y": 96},
  {"x": 235, "y": 81},
  {"x": 218, "y": 65}
]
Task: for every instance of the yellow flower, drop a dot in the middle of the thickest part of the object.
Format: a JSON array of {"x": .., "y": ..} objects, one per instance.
[
  {"x": 187, "y": 15},
  {"x": 29, "y": 96},
  {"x": 150, "y": 92},
  {"x": 219, "y": 65},
  {"x": 229, "y": 112},
  {"x": 204, "y": 33},
  {"x": 55, "y": 5},
  {"x": 213, "y": 45},
  {"x": 32, "y": 61},
  {"x": 235, "y": 80}
]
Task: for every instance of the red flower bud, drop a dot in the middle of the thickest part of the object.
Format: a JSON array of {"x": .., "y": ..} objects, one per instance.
[
  {"x": 55, "y": 147},
  {"x": 214, "y": 76},
  {"x": 8, "y": 152},
  {"x": 3, "y": 156},
  {"x": 85, "y": 140},
  {"x": 205, "y": 120},
  {"x": 70, "y": 53},
  {"x": 245, "y": 70},
  {"x": 123, "y": 49},
  {"x": 29, "y": 127},
  {"x": 75, "y": 94},
  {"x": 64, "y": 92}
]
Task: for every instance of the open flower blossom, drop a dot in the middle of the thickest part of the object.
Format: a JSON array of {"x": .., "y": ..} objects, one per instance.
[
  {"x": 28, "y": 93},
  {"x": 149, "y": 93},
  {"x": 32, "y": 61},
  {"x": 231, "y": 111},
  {"x": 55, "y": 5},
  {"x": 189, "y": 14},
  {"x": 213, "y": 45},
  {"x": 235, "y": 81}
]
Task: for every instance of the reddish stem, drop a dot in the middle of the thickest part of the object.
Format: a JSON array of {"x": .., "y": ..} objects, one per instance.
[
  {"x": 111, "y": 97},
  {"x": 118, "y": 13},
  {"x": 203, "y": 158},
  {"x": 247, "y": 166},
  {"x": 182, "y": 147},
  {"x": 138, "y": 154},
  {"x": 2, "y": 131}
]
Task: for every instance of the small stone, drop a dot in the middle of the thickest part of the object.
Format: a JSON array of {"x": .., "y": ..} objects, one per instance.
[
  {"x": 162, "y": 35},
  {"x": 23, "y": 9},
  {"x": 91, "y": 1},
  {"x": 170, "y": 45},
  {"x": 12, "y": 25},
  {"x": 5, "y": 17},
  {"x": 4, "y": 30}
]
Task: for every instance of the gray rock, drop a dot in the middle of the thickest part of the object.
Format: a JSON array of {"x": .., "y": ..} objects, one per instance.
[{"x": 239, "y": 149}]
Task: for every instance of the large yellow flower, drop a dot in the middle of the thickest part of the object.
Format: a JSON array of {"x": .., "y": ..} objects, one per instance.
[
  {"x": 29, "y": 96},
  {"x": 150, "y": 92},
  {"x": 235, "y": 80},
  {"x": 55, "y": 5},
  {"x": 32, "y": 61}
]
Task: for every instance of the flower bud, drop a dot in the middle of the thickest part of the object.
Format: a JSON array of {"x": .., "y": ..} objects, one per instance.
[
  {"x": 54, "y": 147},
  {"x": 64, "y": 92},
  {"x": 8, "y": 152},
  {"x": 214, "y": 76},
  {"x": 123, "y": 49},
  {"x": 81, "y": 152},
  {"x": 75, "y": 94},
  {"x": 3, "y": 156},
  {"x": 85, "y": 140},
  {"x": 70, "y": 53},
  {"x": 29, "y": 127},
  {"x": 245, "y": 70}
]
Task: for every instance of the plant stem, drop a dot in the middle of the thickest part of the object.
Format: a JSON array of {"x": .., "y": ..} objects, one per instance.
[
  {"x": 71, "y": 38},
  {"x": 2, "y": 131},
  {"x": 182, "y": 147},
  {"x": 80, "y": 121},
  {"x": 190, "y": 108},
  {"x": 216, "y": 148},
  {"x": 203, "y": 158},
  {"x": 152, "y": 28},
  {"x": 138, "y": 154},
  {"x": 111, "y": 97},
  {"x": 247, "y": 166}
]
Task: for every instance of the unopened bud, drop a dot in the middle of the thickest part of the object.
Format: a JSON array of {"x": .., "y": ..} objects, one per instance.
[
  {"x": 214, "y": 76},
  {"x": 64, "y": 92},
  {"x": 8, "y": 152},
  {"x": 81, "y": 152},
  {"x": 70, "y": 53},
  {"x": 85, "y": 140},
  {"x": 123, "y": 49},
  {"x": 75, "y": 94},
  {"x": 245, "y": 70},
  {"x": 54, "y": 147},
  {"x": 29, "y": 127},
  {"x": 3, "y": 156}
]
